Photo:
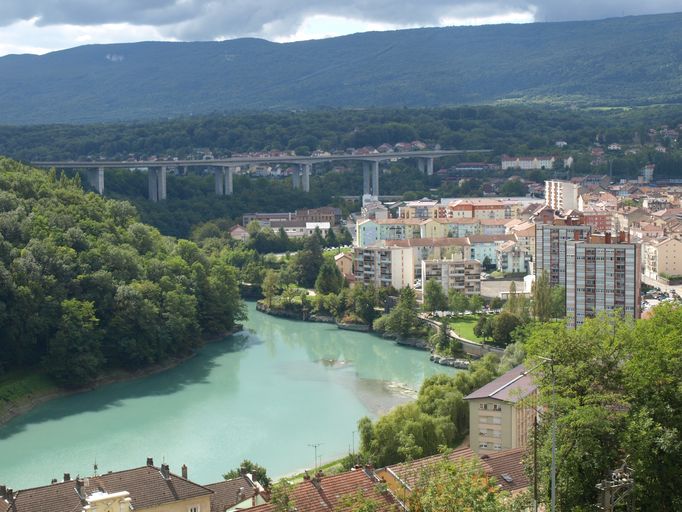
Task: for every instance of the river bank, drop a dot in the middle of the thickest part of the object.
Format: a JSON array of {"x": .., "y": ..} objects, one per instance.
[{"x": 47, "y": 391}]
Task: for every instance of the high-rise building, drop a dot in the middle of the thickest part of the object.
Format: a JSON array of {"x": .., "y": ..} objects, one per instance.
[
  {"x": 602, "y": 274},
  {"x": 463, "y": 276},
  {"x": 551, "y": 234},
  {"x": 562, "y": 195}
]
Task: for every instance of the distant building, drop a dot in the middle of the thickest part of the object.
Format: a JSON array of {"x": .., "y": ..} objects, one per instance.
[
  {"x": 463, "y": 276},
  {"x": 551, "y": 235},
  {"x": 603, "y": 273},
  {"x": 501, "y": 413},
  {"x": 647, "y": 173},
  {"x": 344, "y": 262},
  {"x": 530, "y": 163},
  {"x": 383, "y": 266},
  {"x": 329, "y": 214},
  {"x": 239, "y": 233},
  {"x": 562, "y": 195},
  {"x": 662, "y": 257}
]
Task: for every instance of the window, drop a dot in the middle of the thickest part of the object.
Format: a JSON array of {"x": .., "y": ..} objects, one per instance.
[
  {"x": 497, "y": 407},
  {"x": 483, "y": 407},
  {"x": 195, "y": 508}
]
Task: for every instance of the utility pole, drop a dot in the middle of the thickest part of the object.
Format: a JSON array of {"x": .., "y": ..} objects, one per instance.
[{"x": 315, "y": 445}]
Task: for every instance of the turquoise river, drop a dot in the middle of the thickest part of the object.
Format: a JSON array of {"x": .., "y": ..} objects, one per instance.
[{"x": 265, "y": 394}]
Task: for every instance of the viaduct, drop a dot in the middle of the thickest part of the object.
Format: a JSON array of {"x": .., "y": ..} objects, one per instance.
[{"x": 224, "y": 168}]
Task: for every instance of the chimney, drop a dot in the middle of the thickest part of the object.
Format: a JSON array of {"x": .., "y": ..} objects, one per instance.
[
  {"x": 79, "y": 486},
  {"x": 67, "y": 477},
  {"x": 165, "y": 471},
  {"x": 54, "y": 481},
  {"x": 3, "y": 491},
  {"x": 306, "y": 476},
  {"x": 150, "y": 461},
  {"x": 9, "y": 495},
  {"x": 184, "y": 471}
]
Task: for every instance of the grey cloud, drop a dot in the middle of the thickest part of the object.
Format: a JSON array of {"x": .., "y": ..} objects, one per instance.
[{"x": 209, "y": 19}]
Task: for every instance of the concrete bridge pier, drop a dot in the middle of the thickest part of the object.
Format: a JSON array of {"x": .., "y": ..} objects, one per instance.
[
  {"x": 307, "y": 168},
  {"x": 365, "y": 178},
  {"x": 96, "y": 179},
  {"x": 223, "y": 180},
  {"x": 296, "y": 177},
  {"x": 157, "y": 183},
  {"x": 429, "y": 166},
  {"x": 375, "y": 178},
  {"x": 425, "y": 165}
]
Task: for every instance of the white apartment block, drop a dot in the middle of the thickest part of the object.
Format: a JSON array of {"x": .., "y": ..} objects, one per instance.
[
  {"x": 603, "y": 273},
  {"x": 384, "y": 266},
  {"x": 461, "y": 275},
  {"x": 662, "y": 257},
  {"x": 562, "y": 195}
]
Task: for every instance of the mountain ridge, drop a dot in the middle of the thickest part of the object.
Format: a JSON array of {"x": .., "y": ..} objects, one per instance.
[{"x": 617, "y": 61}]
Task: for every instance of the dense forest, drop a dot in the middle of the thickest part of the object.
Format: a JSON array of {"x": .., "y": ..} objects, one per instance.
[
  {"x": 621, "y": 61},
  {"x": 511, "y": 129},
  {"x": 85, "y": 286}
]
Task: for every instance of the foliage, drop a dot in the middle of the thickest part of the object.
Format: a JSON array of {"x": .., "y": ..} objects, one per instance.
[
  {"x": 82, "y": 282},
  {"x": 484, "y": 327},
  {"x": 259, "y": 473},
  {"x": 280, "y": 496},
  {"x": 434, "y": 297},
  {"x": 329, "y": 279},
  {"x": 403, "y": 320},
  {"x": 270, "y": 286},
  {"x": 542, "y": 297},
  {"x": 504, "y": 325},
  {"x": 613, "y": 388},
  {"x": 463, "y": 485},
  {"x": 439, "y": 417},
  {"x": 459, "y": 303}
]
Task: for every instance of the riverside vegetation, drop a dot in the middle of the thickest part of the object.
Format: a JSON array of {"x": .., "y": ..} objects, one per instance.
[{"x": 85, "y": 288}]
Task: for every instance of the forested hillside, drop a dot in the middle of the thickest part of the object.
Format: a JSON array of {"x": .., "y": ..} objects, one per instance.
[
  {"x": 84, "y": 286},
  {"x": 621, "y": 61}
]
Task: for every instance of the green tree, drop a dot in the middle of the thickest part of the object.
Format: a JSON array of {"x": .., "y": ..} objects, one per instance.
[
  {"x": 542, "y": 297},
  {"x": 459, "y": 302},
  {"x": 329, "y": 279},
  {"x": 558, "y": 302},
  {"x": 403, "y": 320},
  {"x": 463, "y": 485},
  {"x": 330, "y": 239},
  {"x": 484, "y": 327},
  {"x": 434, "y": 297},
  {"x": 259, "y": 473},
  {"x": 476, "y": 303},
  {"x": 270, "y": 286},
  {"x": 504, "y": 325},
  {"x": 75, "y": 357}
]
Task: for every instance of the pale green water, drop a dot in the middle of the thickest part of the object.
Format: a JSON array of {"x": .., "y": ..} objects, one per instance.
[{"x": 264, "y": 394}]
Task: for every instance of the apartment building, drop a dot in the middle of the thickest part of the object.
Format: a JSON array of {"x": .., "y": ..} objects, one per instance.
[
  {"x": 662, "y": 258},
  {"x": 501, "y": 413},
  {"x": 511, "y": 258},
  {"x": 562, "y": 195},
  {"x": 384, "y": 266},
  {"x": 463, "y": 276},
  {"x": 369, "y": 232},
  {"x": 551, "y": 234},
  {"x": 433, "y": 249},
  {"x": 528, "y": 163},
  {"x": 603, "y": 273}
]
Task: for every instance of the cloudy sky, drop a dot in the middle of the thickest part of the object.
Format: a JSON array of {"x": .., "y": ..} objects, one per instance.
[{"x": 40, "y": 26}]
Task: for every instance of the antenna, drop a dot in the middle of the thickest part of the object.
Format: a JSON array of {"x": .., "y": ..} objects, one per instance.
[
  {"x": 315, "y": 445},
  {"x": 94, "y": 466}
]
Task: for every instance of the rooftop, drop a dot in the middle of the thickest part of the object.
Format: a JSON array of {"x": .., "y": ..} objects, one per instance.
[{"x": 511, "y": 387}]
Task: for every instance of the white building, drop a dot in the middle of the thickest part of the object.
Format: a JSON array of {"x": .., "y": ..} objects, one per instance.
[
  {"x": 461, "y": 275},
  {"x": 562, "y": 195}
]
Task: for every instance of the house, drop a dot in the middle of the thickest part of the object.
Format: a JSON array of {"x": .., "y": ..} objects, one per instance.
[
  {"x": 501, "y": 413},
  {"x": 527, "y": 162},
  {"x": 322, "y": 493},
  {"x": 511, "y": 258},
  {"x": 484, "y": 247},
  {"x": 614, "y": 147},
  {"x": 239, "y": 233},
  {"x": 344, "y": 262},
  {"x": 505, "y": 467},
  {"x": 662, "y": 257},
  {"x": 236, "y": 494},
  {"x": 144, "y": 489}
]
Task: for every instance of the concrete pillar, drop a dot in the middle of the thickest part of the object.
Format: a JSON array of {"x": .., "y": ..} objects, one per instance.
[
  {"x": 96, "y": 179},
  {"x": 228, "y": 181},
  {"x": 157, "y": 183},
  {"x": 296, "y": 177},
  {"x": 219, "y": 180},
  {"x": 429, "y": 166},
  {"x": 365, "y": 178},
  {"x": 153, "y": 184},
  {"x": 421, "y": 165},
  {"x": 375, "y": 179},
  {"x": 162, "y": 183},
  {"x": 307, "y": 168}
]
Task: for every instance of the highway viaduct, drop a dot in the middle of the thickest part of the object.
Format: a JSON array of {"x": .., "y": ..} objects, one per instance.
[{"x": 224, "y": 169}]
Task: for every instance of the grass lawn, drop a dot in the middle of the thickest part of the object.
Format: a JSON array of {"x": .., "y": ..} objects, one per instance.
[
  {"x": 464, "y": 326},
  {"x": 16, "y": 386}
]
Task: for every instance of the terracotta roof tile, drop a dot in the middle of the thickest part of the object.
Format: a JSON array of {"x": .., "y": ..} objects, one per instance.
[{"x": 229, "y": 493}]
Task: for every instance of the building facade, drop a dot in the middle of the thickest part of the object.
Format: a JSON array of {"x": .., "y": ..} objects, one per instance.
[
  {"x": 550, "y": 245},
  {"x": 562, "y": 195},
  {"x": 603, "y": 273},
  {"x": 463, "y": 276},
  {"x": 662, "y": 258}
]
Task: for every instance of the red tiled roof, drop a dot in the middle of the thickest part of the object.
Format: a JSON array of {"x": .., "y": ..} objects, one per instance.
[
  {"x": 229, "y": 493},
  {"x": 146, "y": 485},
  {"x": 430, "y": 242},
  {"x": 327, "y": 493},
  {"x": 507, "y": 468}
]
